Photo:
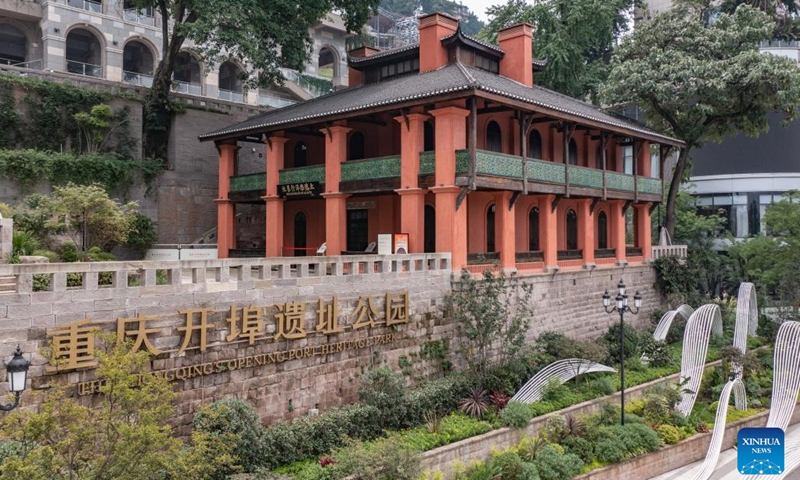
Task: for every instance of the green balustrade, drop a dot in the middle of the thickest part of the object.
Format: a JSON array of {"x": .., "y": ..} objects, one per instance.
[
  {"x": 585, "y": 177},
  {"x": 498, "y": 164},
  {"x": 245, "y": 183},
  {"x": 381, "y": 167},
  {"x": 618, "y": 181},
  {"x": 427, "y": 163},
  {"x": 313, "y": 173},
  {"x": 649, "y": 185},
  {"x": 541, "y": 171}
]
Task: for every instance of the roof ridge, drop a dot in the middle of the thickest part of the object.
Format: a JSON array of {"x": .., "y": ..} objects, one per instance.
[{"x": 470, "y": 78}]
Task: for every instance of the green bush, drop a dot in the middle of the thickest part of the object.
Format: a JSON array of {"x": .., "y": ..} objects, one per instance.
[
  {"x": 529, "y": 472},
  {"x": 509, "y": 463},
  {"x": 669, "y": 434},
  {"x": 620, "y": 442},
  {"x": 439, "y": 396},
  {"x": 385, "y": 390},
  {"x": 69, "y": 252},
  {"x": 602, "y": 386},
  {"x": 143, "y": 233},
  {"x": 239, "y": 420},
  {"x": 551, "y": 465},
  {"x": 656, "y": 351},
  {"x": 630, "y": 342},
  {"x": 95, "y": 254},
  {"x": 554, "y": 390},
  {"x": 308, "y": 437},
  {"x": 384, "y": 459},
  {"x": 580, "y": 447},
  {"x": 516, "y": 414}
]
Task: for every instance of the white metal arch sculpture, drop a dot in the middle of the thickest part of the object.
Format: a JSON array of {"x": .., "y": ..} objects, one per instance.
[
  {"x": 562, "y": 370},
  {"x": 702, "y": 323},
  {"x": 684, "y": 311},
  {"x": 714, "y": 448},
  {"x": 746, "y": 315},
  {"x": 785, "y": 388}
]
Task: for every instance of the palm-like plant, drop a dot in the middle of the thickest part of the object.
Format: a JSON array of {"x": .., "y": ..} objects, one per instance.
[{"x": 476, "y": 404}]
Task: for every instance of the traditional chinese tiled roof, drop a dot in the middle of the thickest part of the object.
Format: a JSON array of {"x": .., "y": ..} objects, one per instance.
[{"x": 427, "y": 86}]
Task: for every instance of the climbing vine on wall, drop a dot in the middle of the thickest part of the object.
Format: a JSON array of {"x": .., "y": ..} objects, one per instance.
[
  {"x": 9, "y": 119},
  {"x": 27, "y": 167}
]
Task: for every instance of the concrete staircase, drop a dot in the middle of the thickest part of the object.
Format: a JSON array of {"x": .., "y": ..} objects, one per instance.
[{"x": 8, "y": 285}]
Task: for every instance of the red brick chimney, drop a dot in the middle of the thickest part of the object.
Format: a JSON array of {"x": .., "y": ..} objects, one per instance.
[
  {"x": 517, "y": 43},
  {"x": 355, "y": 77},
  {"x": 432, "y": 28}
]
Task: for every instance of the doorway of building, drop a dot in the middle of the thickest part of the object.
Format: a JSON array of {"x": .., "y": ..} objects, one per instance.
[{"x": 357, "y": 230}]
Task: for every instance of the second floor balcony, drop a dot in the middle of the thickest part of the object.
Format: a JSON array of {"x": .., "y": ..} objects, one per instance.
[{"x": 90, "y": 5}]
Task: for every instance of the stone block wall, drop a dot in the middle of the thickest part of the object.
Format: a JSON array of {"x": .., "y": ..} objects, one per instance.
[
  {"x": 6, "y": 236},
  {"x": 293, "y": 375}
]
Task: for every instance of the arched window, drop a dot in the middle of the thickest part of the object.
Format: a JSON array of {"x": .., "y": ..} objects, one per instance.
[
  {"x": 490, "y": 229},
  {"x": 494, "y": 137},
  {"x": 300, "y": 234},
  {"x": 13, "y": 45},
  {"x": 137, "y": 64},
  {"x": 535, "y": 144},
  {"x": 573, "y": 152},
  {"x": 429, "y": 138},
  {"x": 300, "y": 154},
  {"x": 326, "y": 65},
  {"x": 84, "y": 55},
  {"x": 533, "y": 230},
  {"x": 188, "y": 78},
  {"x": 231, "y": 86},
  {"x": 602, "y": 230},
  {"x": 572, "y": 230},
  {"x": 356, "y": 146},
  {"x": 430, "y": 229}
]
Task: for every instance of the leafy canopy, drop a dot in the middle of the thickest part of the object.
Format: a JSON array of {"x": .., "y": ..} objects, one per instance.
[
  {"x": 575, "y": 36},
  {"x": 702, "y": 83}
]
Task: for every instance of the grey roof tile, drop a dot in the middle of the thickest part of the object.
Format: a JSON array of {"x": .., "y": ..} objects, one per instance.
[{"x": 451, "y": 78}]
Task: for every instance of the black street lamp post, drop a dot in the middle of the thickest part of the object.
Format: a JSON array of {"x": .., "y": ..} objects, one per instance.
[
  {"x": 622, "y": 307},
  {"x": 17, "y": 371}
]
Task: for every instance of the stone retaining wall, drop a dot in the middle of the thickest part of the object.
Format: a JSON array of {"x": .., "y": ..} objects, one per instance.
[{"x": 286, "y": 377}]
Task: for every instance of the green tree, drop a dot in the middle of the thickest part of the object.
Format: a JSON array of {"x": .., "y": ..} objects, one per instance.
[
  {"x": 492, "y": 315},
  {"x": 575, "y": 36},
  {"x": 125, "y": 436},
  {"x": 783, "y": 13},
  {"x": 702, "y": 83},
  {"x": 262, "y": 35},
  {"x": 90, "y": 217},
  {"x": 98, "y": 126}
]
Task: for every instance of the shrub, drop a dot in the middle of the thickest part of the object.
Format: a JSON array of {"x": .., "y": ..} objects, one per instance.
[
  {"x": 69, "y": 252},
  {"x": 440, "y": 396},
  {"x": 307, "y": 437},
  {"x": 602, "y": 386},
  {"x": 481, "y": 471},
  {"x": 528, "y": 471},
  {"x": 509, "y": 463},
  {"x": 95, "y": 254},
  {"x": 656, "y": 351},
  {"x": 499, "y": 399},
  {"x": 656, "y": 408},
  {"x": 630, "y": 342},
  {"x": 143, "y": 232},
  {"x": 516, "y": 414},
  {"x": 620, "y": 442},
  {"x": 385, "y": 390},
  {"x": 476, "y": 404},
  {"x": 552, "y": 465},
  {"x": 669, "y": 434},
  {"x": 580, "y": 447},
  {"x": 239, "y": 419},
  {"x": 385, "y": 459},
  {"x": 554, "y": 390}
]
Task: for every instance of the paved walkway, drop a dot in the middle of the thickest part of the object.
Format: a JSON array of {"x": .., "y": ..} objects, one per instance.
[{"x": 726, "y": 466}]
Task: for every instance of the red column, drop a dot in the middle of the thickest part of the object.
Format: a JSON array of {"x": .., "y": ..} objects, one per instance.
[
  {"x": 643, "y": 230},
  {"x": 335, "y": 206},
  {"x": 586, "y": 231},
  {"x": 412, "y": 198},
  {"x": 451, "y": 223},
  {"x": 548, "y": 232},
  {"x": 226, "y": 228},
  {"x": 274, "y": 211},
  {"x": 505, "y": 232},
  {"x": 618, "y": 230}
]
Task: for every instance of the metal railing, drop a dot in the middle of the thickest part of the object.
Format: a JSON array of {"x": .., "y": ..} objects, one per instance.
[
  {"x": 137, "y": 79},
  {"x": 139, "y": 16},
  {"x": 313, "y": 84},
  {"x": 276, "y": 102},
  {"x": 230, "y": 96},
  {"x": 184, "y": 87},
  {"x": 86, "y": 69},
  {"x": 90, "y": 5},
  {"x": 34, "y": 64}
]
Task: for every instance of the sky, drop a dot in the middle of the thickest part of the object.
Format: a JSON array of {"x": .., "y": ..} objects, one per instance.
[{"x": 479, "y": 6}]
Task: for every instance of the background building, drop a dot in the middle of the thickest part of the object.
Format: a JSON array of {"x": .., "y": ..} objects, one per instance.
[{"x": 114, "y": 41}]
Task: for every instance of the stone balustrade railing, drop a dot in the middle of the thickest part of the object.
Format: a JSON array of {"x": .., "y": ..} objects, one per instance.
[
  {"x": 659, "y": 251},
  {"x": 55, "y": 277}
]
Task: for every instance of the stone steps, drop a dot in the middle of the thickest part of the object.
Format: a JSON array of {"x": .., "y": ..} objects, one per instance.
[{"x": 8, "y": 285}]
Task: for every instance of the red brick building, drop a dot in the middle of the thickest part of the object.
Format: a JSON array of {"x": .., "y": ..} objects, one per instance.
[{"x": 450, "y": 142}]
